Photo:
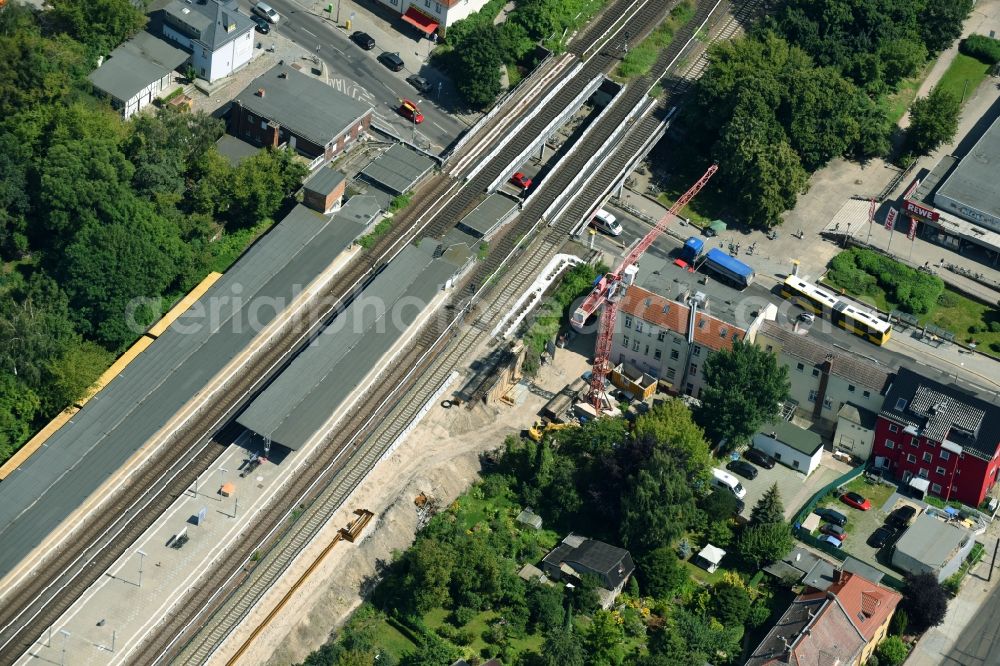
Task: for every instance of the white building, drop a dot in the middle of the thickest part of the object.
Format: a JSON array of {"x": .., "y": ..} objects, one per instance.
[
  {"x": 855, "y": 431},
  {"x": 824, "y": 379},
  {"x": 138, "y": 72},
  {"x": 790, "y": 445},
  {"x": 434, "y": 16},
  {"x": 218, "y": 37}
]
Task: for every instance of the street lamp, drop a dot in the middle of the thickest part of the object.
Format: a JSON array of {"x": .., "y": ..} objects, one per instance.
[
  {"x": 142, "y": 557},
  {"x": 65, "y": 635}
]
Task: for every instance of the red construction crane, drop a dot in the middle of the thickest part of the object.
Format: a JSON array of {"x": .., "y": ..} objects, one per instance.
[{"x": 611, "y": 287}]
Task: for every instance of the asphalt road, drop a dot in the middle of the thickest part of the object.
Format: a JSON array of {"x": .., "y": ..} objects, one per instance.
[
  {"x": 382, "y": 88},
  {"x": 979, "y": 642}
]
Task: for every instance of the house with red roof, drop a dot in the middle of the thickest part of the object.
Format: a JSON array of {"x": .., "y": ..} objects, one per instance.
[{"x": 842, "y": 625}]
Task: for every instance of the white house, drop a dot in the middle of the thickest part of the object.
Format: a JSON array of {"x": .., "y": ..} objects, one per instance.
[
  {"x": 432, "y": 16},
  {"x": 855, "y": 431},
  {"x": 218, "y": 37},
  {"x": 137, "y": 72},
  {"x": 790, "y": 445}
]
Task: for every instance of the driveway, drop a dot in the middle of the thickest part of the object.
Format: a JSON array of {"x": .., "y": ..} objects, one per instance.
[{"x": 795, "y": 488}]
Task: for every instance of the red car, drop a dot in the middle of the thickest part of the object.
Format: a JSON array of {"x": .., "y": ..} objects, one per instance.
[
  {"x": 856, "y": 500},
  {"x": 521, "y": 180},
  {"x": 411, "y": 112}
]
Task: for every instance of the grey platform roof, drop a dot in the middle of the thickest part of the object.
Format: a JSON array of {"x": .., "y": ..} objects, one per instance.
[
  {"x": 216, "y": 23},
  {"x": 300, "y": 400},
  {"x": 487, "y": 216},
  {"x": 931, "y": 541},
  {"x": 975, "y": 182},
  {"x": 397, "y": 169},
  {"x": 135, "y": 64},
  {"x": 324, "y": 180},
  {"x": 789, "y": 434},
  {"x": 37, "y": 496},
  {"x": 235, "y": 150},
  {"x": 302, "y": 104}
]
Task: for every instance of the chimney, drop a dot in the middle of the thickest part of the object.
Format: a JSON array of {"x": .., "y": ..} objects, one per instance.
[{"x": 260, "y": 92}]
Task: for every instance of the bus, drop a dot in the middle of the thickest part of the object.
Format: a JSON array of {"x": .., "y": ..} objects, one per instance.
[{"x": 823, "y": 303}]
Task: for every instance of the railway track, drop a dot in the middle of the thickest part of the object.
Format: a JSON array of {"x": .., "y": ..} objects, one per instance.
[{"x": 436, "y": 208}]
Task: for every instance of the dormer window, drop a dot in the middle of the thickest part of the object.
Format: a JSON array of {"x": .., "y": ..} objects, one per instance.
[{"x": 900, "y": 404}]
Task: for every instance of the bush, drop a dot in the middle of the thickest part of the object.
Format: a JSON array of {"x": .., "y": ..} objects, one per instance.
[
  {"x": 860, "y": 271},
  {"x": 948, "y": 299},
  {"x": 900, "y": 622},
  {"x": 892, "y": 651},
  {"x": 982, "y": 48},
  {"x": 462, "y": 615}
]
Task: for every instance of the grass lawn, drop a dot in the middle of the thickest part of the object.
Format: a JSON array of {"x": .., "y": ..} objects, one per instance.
[
  {"x": 876, "y": 492},
  {"x": 641, "y": 58},
  {"x": 703, "y": 576},
  {"x": 393, "y": 642},
  {"x": 900, "y": 101},
  {"x": 963, "y": 76}
]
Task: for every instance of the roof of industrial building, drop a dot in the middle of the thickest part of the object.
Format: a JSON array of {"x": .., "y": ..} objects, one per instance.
[
  {"x": 302, "y": 104},
  {"x": 938, "y": 412},
  {"x": 216, "y": 23},
  {"x": 324, "y": 181},
  {"x": 931, "y": 541},
  {"x": 484, "y": 219},
  {"x": 803, "y": 441},
  {"x": 846, "y": 366},
  {"x": 112, "y": 426},
  {"x": 398, "y": 169},
  {"x": 135, "y": 65},
  {"x": 300, "y": 401},
  {"x": 974, "y": 181}
]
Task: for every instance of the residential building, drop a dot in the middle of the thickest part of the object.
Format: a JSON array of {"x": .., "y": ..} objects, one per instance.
[
  {"x": 431, "y": 17},
  {"x": 932, "y": 545},
  {"x": 578, "y": 556},
  {"x": 943, "y": 435},
  {"x": 284, "y": 107},
  {"x": 855, "y": 430},
  {"x": 824, "y": 379},
  {"x": 670, "y": 340},
  {"x": 790, "y": 445},
  {"x": 215, "y": 33},
  {"x": 138, "y": 72},
  {"x": 841, "y": 624}
]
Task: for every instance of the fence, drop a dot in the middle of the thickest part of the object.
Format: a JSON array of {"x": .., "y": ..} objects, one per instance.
[{"x": 808, "y": 507}]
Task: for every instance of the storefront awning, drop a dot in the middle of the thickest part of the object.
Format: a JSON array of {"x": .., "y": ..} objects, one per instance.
[{"x": 421, "y": 21}]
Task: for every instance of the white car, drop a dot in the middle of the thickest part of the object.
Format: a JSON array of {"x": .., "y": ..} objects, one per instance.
[
  {"x": 807, "y": 317},
  {"x": 606, "y": 222},
  {"x": 267, "y": 11}
]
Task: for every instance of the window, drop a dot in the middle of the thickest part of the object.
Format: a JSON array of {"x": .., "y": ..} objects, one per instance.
[
  {"x": 671, "y": 372},
  {"x": 625, "y": 340},
  {"x": 628, "y": 322},
  {"x": 770, "y": 348},
  {"x": 927, "y": 457},
  {"x": 427, "y": 4},
  {"x": 892, "y": 426},
  {"x": 914, "y": 441},
  {"x": 923, "y": 473},
  {"x": 800, "y": 367},
  {"x": 936, "y": 488},
  {"x": 635, "y": 345},
  {"x": 954, "y": 487},
  {"x": 944, "y": 455},
  {"x": 696, "y": 351},
  {"x": 911, "y": 458},
  {"x": 795, "y": 464},
  {"x": 694, "y": 369},
  {"x": 690, "y": 388},
  {"x": 661, "y": 336},
  {"x": 638, "y": 327},
  {"x": 674, "y": 355},
  {"x": 900, "y": 404},
  {"x": 867, "y": 394},
  {"x": 815, "y": 372},
  {"x": 940, "y": 471},
  {"x": 827, "y": 403},
  {"x": 646, "y": 353},
  {"x": 889, "y": 444},
  {"x": 437, "y": 7},
  {"x": 657, "y": 354}
]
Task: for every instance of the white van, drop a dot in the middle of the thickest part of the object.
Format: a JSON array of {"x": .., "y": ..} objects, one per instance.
[
  {"x": 606, "y": 222},
  {"x": 265, "y": 10},
  {"x": 721, "y": 479}
]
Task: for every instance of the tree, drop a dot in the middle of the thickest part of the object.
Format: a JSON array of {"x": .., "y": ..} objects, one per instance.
[
  {"x": 892, "y": 651},
  {"x": 562, "y": 648},
  {"x": 432, "y": 651},
  {"x": 585, "y": 597},
  {"x": 478, "y": 66},
  {"x": 941, "y": 22},
  {"x": 763, "y": 544},
  {"x": 18, "y": 407},
  {"x": 768, "y": 509},
  {"x": 545, "y": 605},
  {"x": 260, "y": 184},
  {"x": 662, "y": 573},
  {"x": 603, "y": 640},
  {"x": 706, "y": 637},
  {"x": 671, "y": 426},
  {"x": 899, "y": 623},
  {"x": 743, "y": 389},
  {"x": 71, "y": 375},
  {"x": 164, "y": 146},
  {"x": 429, "y": 564},
  {"x": 933, "y": 121},
  {"x": 730, "y": 604},
  {"x": 925, "y": 601},
  {"x": 100, "y": 24},
  {"x": 656, "y": 506}
]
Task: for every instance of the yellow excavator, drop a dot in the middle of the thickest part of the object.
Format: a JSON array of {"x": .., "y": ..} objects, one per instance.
[{"x": 537, "y": 431}]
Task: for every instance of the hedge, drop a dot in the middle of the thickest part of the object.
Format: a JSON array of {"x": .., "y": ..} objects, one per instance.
[
  {"x": 982, "y": 48},
  {"x": 862, "y": 271}
]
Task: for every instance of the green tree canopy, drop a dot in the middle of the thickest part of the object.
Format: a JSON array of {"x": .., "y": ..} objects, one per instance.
[
  {"x": 100, "y": 24},
  {"x": 603, "y": 640},
  {"x": 765, "y": 543},
  {"x": 933, "y": 121},
  {"x": 479, "y": 61},
  {"x": 675, "y": 432},
  {"x": 744, "y": 387},
  {"x": 662, "y": 573},
  {"x": 656, "y": 506},
  {"x": 768, "y": 509},
  {"x": 941, "y": 22},
  {"x": 730, "y": 604},
  {"x": 562, "y": 648},
  {"x": 925, "y": 601}
]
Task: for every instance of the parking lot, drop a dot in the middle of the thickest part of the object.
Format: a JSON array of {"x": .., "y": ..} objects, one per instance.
[{"x": 794, "y": 486}]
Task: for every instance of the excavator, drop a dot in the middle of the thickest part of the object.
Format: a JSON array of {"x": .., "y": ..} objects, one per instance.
[{"x": 538, "y": 431}]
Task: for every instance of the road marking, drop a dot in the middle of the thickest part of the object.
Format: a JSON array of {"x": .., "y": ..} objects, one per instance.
[
  {"x": 438, "y": 126},
  {"x": 305, "y": 30}
]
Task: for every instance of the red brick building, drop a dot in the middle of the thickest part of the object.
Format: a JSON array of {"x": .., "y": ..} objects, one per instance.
[{"x": 946, "y": 436}]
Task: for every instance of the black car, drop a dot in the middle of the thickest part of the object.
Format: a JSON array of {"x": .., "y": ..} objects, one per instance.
[
  {"x": 391, "y": 60},
  {"x": 831, "y": 516},
  {"x": 901, "y": 517},
  {"x": 422, "y": 85},
  {"x": 743, "y": 468},
  {"x": 263, "y": 27},
  {"x": 881, "y": 537},
  {"x": 759, "y": 457},
  {"x": 363, "y": 39}
]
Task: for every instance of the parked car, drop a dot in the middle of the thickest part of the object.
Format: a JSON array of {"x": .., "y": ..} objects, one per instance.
[
  {"x": 391, "y": 60},
  {"x": 759, "y": 457},
  {"x": 743, "y": 468},
  {"x": 881, "y": 537},
  {"x": 832, "y": 540},
  {"x": 834, "y": 530},
  {"x": 363, "y": 39},
  {"x": 831, "y": 516},
  {"x": 856, "y": 500},
  {"x": 901, "y": 517},
  {"x": 263, "y": 27},
  {"x": 521, "y": 180},
  {"x": 422, "y": 85},
  {"x": 807, "y": 317},
  {"x": 267, "y": 11},
  {"x": 606, "y": 222},
  {"x": 411, "y": 112}
]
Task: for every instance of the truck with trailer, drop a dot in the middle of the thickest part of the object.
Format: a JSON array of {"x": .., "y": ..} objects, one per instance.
[{"x": 717, "y": 261}]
